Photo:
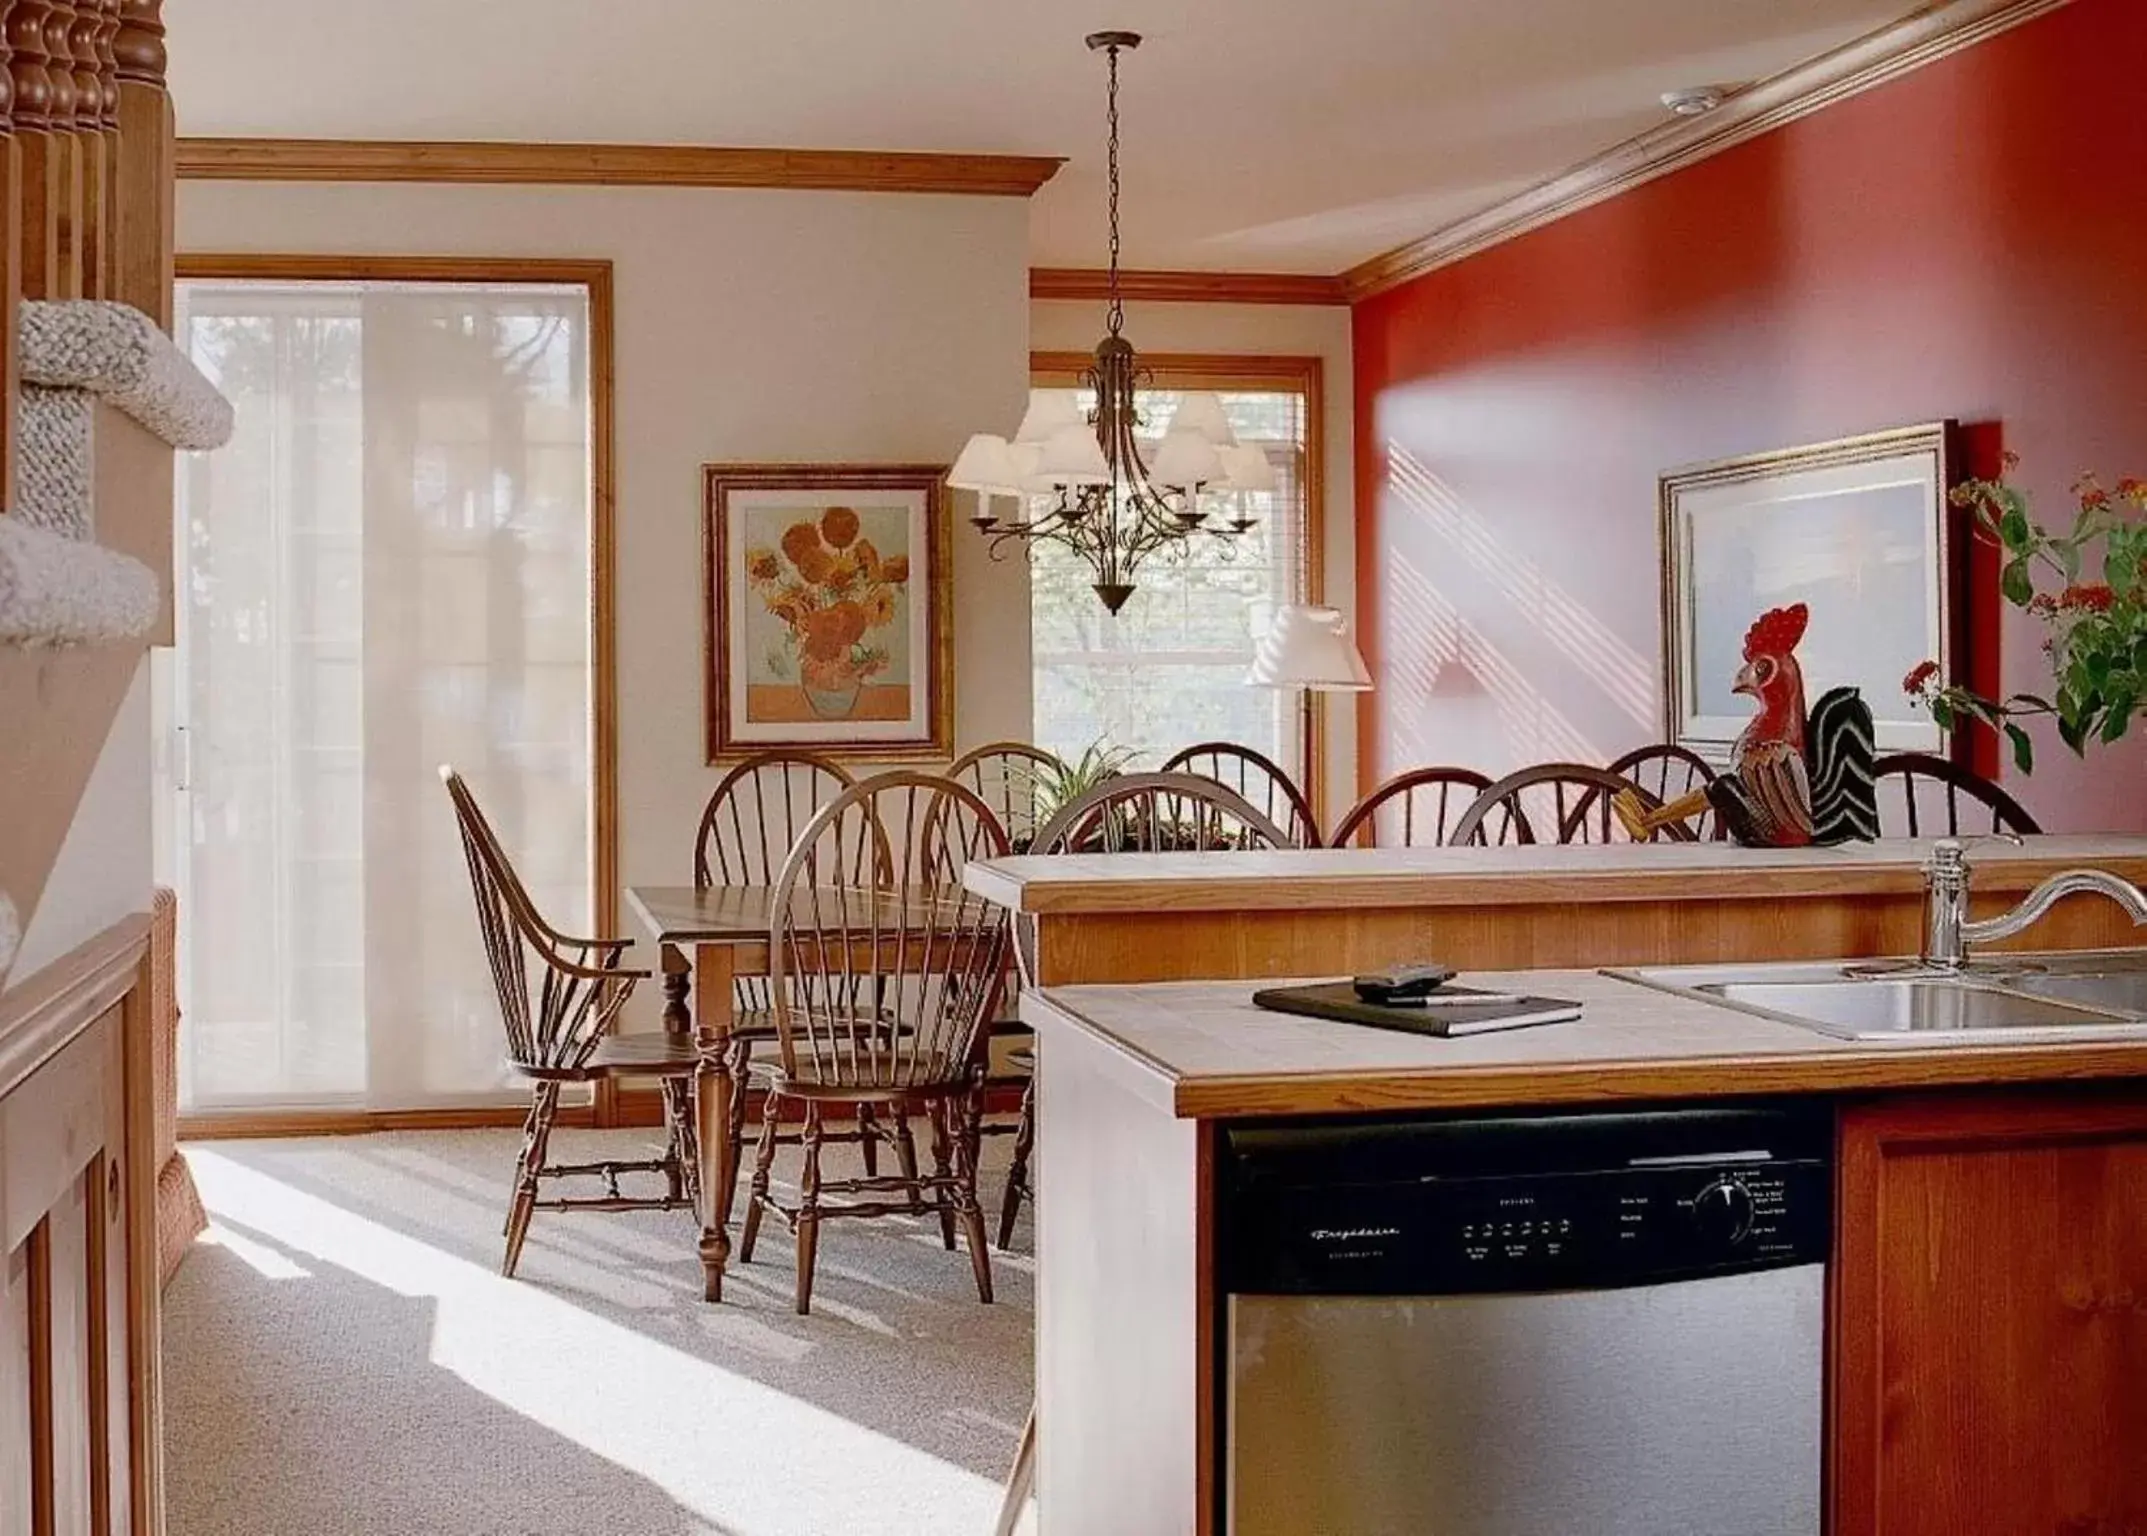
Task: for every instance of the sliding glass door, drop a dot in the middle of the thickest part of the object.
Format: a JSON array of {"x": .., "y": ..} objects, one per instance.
[{"x": 389, "y": 568}]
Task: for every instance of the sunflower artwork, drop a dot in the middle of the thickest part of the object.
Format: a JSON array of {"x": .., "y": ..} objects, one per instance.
[
  {"x": 839, "y": 598},
  {"x": 824, "y": 593}
]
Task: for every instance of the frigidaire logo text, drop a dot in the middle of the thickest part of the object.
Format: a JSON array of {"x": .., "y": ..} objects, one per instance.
[{"x": 1352, "y": 1234}]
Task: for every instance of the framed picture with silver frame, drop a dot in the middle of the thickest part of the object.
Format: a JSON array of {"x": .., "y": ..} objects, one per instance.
[{"x": 1859, "y": 530}]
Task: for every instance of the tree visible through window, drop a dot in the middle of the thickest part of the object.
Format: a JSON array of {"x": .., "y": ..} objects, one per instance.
[{"x": 1169, "y": 669}]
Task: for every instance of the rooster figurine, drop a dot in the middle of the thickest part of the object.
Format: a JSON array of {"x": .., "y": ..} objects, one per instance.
[{"x": 1796, "y": 778}]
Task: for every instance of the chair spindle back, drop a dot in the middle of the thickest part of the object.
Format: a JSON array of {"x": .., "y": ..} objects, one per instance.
[
  {"x": 885, "y": 969},
  {"x": 558, "y": 995}
]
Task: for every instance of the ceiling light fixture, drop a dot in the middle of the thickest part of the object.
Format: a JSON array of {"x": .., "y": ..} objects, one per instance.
[
  {"x": 1693, "y": 101},
  {"x": 1107, "y": 503}
]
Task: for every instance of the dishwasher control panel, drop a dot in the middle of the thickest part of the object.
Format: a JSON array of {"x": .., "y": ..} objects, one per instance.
[{"x": 1584, "y": 1201}]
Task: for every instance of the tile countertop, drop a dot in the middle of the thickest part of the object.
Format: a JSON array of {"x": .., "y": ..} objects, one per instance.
[
  {"x": 1518, "y": 874},
  {"x": 1201, "y": 1050}
]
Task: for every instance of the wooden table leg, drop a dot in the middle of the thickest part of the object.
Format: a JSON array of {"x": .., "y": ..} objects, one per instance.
[
  {"x": 712, "y": 1109},
  {"x": 677, "y": 1018}
]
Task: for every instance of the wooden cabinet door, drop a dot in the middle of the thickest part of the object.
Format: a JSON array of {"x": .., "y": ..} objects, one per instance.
[
  {"x": 63, "y": 1366},
  {"x": 1990, "y": 1325}
]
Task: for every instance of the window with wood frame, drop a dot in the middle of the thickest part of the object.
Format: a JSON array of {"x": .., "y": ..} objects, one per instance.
[
  {"x": 1169, "y": 669},
  {"x": 401, "y": 560}
]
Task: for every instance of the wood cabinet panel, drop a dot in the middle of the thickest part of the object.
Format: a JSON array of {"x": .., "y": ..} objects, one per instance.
[
  {"x": 1991, "y": 1316},
  {"x": 63, "y": 1290}
]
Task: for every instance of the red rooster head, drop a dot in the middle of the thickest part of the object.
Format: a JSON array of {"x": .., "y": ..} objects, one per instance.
[{"x": 1770, "y": 673}]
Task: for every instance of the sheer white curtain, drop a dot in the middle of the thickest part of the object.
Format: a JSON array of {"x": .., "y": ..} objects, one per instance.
[{"x": 387, "y": 569}]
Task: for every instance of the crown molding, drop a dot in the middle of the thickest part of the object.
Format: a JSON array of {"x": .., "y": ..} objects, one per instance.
[
  {"x": 1932, "y": 33},
  {"x": 611, "y": 165},
  {"x": 1188, "y": 287}
]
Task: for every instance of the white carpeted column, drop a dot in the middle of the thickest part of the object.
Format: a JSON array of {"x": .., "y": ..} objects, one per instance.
[{"x": 57, "y": 585}]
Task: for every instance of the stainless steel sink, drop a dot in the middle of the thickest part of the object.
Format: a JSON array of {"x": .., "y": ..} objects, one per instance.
[{"x": 2014, "y": 999}]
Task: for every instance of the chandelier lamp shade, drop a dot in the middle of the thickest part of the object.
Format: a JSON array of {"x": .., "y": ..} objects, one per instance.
[
  {"x": 1080, "y": 479},
  {"x": 1309, "y": 647}
]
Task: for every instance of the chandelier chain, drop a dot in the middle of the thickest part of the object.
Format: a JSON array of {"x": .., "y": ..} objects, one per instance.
[
  {"x": 1116, "y": 318},
  {"x": 1116, "y": 517}
]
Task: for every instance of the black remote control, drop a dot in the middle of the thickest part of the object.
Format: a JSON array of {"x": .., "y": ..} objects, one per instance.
[{"x": 1402, "y": 984}]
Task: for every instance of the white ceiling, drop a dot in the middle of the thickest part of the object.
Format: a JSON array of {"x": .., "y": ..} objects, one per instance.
[{"x": 1260, "y": 135}]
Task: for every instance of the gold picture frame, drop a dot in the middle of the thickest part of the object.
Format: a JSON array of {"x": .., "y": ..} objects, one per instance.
[
  {"x": 825, "y": 591},
  {"x": 1860, "y": 529}
]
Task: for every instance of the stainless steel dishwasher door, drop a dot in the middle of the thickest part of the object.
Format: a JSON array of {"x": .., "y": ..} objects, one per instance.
[{"x": 1689, "y": 1408}]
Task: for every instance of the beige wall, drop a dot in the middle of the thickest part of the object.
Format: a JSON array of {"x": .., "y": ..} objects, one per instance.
[
  {"x": 1320, "y": 331},
  {"x": 102, "y": 875},
  {"x": 752, "y": 325}
]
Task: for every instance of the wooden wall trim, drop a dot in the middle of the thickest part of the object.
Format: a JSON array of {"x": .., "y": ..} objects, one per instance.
[
  {"x": 595, "y": 277},
  {"x": 1093, "y": 283},
  {"x": 612, "y": 165},
  {"x": 1932, "y": 33},
  {"x": 42, "y": 1013},
  {"x": 252, "y": 1124}
]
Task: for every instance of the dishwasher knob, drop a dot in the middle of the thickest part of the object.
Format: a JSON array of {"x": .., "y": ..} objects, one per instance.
[{"x": 1723, "y": 1212}]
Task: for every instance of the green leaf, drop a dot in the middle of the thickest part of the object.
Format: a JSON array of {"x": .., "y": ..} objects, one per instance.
[
  {"x": 1942, "y": 712},
  {"x": 2073, "y": 733},
  {"x": 2023, "y": 747},
  {"x": 2015, "y": 583},
  {"x": 2119, "y": 718},
  {"x": 2013, "y": 530}
]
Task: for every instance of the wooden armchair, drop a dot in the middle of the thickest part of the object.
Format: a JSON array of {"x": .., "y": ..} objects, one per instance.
[
  {"x": 1938, "y": 797},
  {"x": 884, "y": 971},
  {"x": 558, "y": 998},
  {"x": 1257, "y": 779},
  {"x": 1559, "y": 803}
]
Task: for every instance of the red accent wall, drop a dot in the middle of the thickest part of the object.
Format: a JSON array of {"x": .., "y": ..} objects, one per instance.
[{"x": 1969, "y": 241}]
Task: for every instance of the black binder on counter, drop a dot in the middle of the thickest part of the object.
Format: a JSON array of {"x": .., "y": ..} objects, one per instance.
[{"x": 1448, "y": 1010}]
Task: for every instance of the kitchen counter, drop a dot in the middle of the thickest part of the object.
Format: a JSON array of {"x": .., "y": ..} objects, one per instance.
[
  {"x": 1198, "y": 916},
  {"x": 1516, "y": 874},
  {"x": 1202, "y": 1049},
  {"x": 1149, "y": 1047},
  {"x": 2034, "y": 1155}
]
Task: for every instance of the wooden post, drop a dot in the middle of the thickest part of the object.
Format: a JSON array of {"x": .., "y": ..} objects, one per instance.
[
  {"x": 10, "y": 269},
  {"x": 90, "y": 144},
  {"x": 105, "y": 38},
  {"x": 66, "y": 150},
  {"x": 147, "y": 168},
  {"x": 39, "y": 240}
]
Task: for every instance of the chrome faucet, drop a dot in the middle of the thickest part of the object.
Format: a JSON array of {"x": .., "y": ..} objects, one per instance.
[{"x": 1948, "y": 931}]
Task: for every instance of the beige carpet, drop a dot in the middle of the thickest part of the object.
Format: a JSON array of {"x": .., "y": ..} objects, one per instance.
[{"x": 342, "y": 1357}]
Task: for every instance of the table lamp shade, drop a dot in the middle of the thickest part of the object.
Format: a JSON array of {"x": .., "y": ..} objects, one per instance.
[{"x": 1308, "y": 647}]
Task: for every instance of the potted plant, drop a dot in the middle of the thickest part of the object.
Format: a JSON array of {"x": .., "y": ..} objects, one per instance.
[{"x": 2088, "y": 586}]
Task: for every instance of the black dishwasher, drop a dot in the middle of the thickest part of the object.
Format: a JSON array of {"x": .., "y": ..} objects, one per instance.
[{"x": 1607, "y": 1324}]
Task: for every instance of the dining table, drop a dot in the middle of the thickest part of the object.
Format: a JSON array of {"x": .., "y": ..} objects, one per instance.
[{"x": 707, "y": 938}]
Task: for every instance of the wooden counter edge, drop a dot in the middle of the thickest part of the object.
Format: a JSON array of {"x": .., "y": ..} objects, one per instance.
[
  {"x": 1135, "y": 893},
  {"x": 1849, "y": 1070},
  {"x": 1138, "y": 1071},
  {"x": 1843, "y": 1069}
]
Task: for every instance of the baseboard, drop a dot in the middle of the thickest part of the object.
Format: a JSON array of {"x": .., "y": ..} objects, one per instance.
[{"x": 244, "y": 1124}]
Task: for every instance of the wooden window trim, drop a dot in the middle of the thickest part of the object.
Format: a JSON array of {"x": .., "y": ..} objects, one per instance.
[
  {"x": 1304, "y": 375},
  {"x": 594, "y": 277}
]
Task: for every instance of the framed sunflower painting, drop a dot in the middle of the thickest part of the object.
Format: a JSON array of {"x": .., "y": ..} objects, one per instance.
[{"x": 824, "y": 611}]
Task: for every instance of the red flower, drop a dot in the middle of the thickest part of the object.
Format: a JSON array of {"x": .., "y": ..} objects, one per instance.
[
  {"x": 2095, "y": 597},
  {"x": 838, "y": 525},
  {"x": 1920, "y": 677}
]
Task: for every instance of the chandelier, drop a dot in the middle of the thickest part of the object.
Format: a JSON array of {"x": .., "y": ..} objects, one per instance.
[{"x": 1080, "y": 480}]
